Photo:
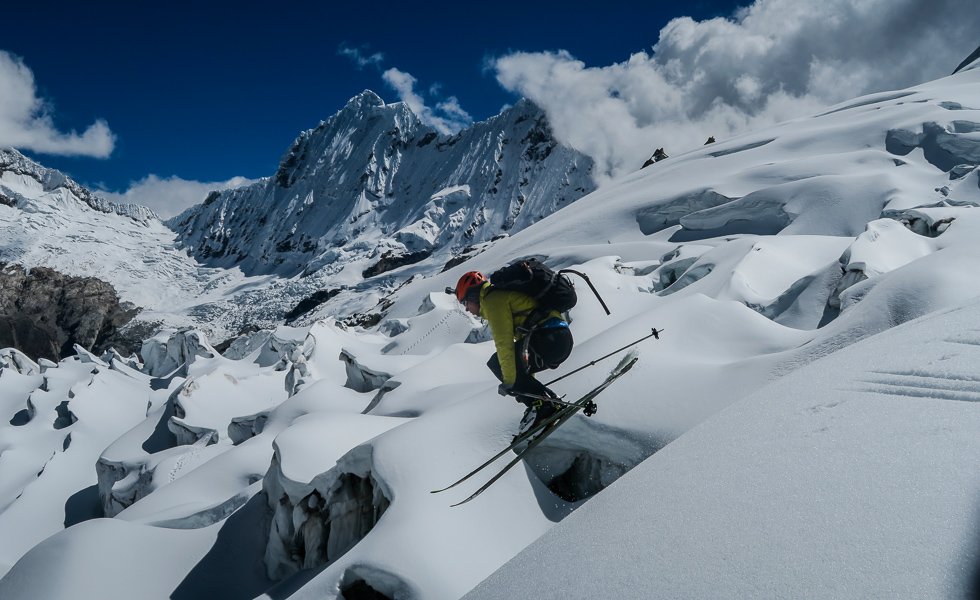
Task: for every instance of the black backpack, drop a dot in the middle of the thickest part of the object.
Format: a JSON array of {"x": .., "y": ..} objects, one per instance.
[{"x": 552, "y": 290}]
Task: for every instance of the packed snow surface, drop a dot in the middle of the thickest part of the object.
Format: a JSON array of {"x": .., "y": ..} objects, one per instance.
[{"x": 804, "y": 426}]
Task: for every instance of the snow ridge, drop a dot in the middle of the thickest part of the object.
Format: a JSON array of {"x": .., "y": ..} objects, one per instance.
[{"x": 14, "y": 163}]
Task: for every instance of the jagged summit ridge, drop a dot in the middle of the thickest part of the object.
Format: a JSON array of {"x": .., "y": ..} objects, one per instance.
[
  {"x": 374, "y": 179},
  {"x": 13, "y": 164}
]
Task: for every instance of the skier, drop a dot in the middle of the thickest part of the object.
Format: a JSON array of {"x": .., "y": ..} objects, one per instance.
[{"x": 527, "y": 341}]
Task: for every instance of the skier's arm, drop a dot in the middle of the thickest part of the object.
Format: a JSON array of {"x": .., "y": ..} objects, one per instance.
[{"x": 497, "y": 311}]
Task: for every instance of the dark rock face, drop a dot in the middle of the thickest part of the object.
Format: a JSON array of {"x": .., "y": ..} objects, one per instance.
[
  {"x": 390, "y": 261},
  {"x": 307, "y": 304},
  {"x": 44, "y": 313},
  {"x": 969, "y": 59},
  {"x": 658, "y": 156}
]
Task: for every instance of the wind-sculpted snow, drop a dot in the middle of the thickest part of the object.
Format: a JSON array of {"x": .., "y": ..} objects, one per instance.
[
  {"x": 804, "y": 425},
  {"x": 48, "y": 481}
]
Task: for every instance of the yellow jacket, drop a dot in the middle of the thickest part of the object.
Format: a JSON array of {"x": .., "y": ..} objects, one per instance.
[{"x": 506, "y": 312}]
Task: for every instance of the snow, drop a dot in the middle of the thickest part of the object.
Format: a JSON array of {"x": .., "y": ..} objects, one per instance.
[
  {"x": 804, "y": 426},
  {"x": 855, "y": 476}
]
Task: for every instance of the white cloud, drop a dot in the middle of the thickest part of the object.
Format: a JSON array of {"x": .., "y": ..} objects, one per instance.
[
  {"x": 447, "y": 117},
  {"x": 774, "y": 60},
  {"x": 170, "y": 196},
  {"x": 360, "y": 56},
  {"x": 26, "y": 123}
]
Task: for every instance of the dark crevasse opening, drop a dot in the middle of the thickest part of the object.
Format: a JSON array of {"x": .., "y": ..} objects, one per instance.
[
  {"x": 366, "y": 582},
  {"x": 587, "y": 476},
  {"x": 65, "y": 416},
  {"x": 576, "y": 474},
  {"x": 361, "y": 590},
  {"x": 581, "y": 460}
]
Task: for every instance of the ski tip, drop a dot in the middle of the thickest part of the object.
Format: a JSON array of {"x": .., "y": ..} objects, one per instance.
[{"x": 628, "y": 361}]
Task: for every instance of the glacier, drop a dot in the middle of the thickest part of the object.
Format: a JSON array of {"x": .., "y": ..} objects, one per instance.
[{"x": 804, "y": 426}]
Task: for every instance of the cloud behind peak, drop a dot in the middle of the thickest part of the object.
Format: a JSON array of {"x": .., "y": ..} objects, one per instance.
[{"x": 771, "y": 61}]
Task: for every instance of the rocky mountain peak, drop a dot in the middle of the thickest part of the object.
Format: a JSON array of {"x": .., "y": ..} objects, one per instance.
[
  {"x": 970, "y": 62},
  {"x": 365, "y": 99},
  {"x": 374, "y": 180}
]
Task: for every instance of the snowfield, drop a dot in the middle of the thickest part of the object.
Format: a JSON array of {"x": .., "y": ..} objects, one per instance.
[
  {"x": 853, "y": 477},
  {"x": 804, "y": 427}
]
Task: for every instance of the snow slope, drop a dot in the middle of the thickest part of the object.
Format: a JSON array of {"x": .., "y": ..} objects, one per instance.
[
  {"x": 800, "y": 429},
  {"x": 853, "y": 477}
]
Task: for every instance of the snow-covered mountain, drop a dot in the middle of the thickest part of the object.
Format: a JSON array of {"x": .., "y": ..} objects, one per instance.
[
  {"x": 373, "y": 182},
  {"x": 804, "y": 426},
  {"x": 358, "y": 205},
  {"x": 23, "y": 179},
  {"x": 48, "y": 220}
]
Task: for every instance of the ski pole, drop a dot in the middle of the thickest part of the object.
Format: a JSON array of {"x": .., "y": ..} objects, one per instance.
[
  {"x": 655, "y": 333},
  {"x": 592, "y": 287}
]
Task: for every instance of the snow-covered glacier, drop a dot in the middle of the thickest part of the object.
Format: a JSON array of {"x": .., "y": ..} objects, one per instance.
[{"x": 804, "y": 426}]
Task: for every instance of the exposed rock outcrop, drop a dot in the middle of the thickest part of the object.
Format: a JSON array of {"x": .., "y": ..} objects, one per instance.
[{"x": 45, "y": 314}]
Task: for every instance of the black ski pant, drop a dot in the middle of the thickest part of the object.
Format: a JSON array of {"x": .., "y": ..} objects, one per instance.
[{"x": 547, "y": 349}]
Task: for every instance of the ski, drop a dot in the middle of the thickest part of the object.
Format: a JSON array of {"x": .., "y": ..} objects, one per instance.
[
  {"x": 517, "y": 442},
  {"x": 556, "y": 421}
]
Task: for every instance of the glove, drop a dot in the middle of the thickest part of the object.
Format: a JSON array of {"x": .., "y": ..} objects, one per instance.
[{"x": 505, "y": 389}]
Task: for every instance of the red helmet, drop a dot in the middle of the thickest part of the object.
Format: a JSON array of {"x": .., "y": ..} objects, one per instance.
[{"x": 471, "y": 281}]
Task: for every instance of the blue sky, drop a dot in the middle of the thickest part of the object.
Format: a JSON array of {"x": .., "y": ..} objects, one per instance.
[{"x": 185, "y": 92}]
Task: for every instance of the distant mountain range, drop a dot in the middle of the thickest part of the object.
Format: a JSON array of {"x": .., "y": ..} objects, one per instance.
[
  {"x": 370, "y": 190},
  {"x": 13, "y": 164},
  {"x": 374, "y": 182}
]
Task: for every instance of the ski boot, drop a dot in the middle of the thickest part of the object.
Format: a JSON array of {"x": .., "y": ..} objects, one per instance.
[{"x": 537, "y": 411}]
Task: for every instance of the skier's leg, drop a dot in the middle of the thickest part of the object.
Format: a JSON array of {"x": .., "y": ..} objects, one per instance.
[
  {"x": 524, "y": 382},
  {"x": 547, "y": 349}
]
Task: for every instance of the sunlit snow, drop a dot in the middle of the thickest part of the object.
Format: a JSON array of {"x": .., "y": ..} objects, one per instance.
[{"x": 804, "y": 427}]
